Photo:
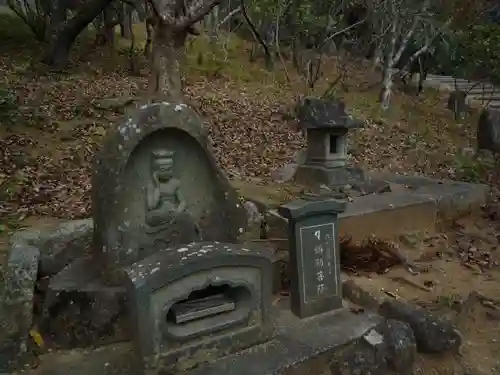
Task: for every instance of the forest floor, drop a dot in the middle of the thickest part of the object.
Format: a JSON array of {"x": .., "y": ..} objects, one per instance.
[{"x": 47, "y": 143}]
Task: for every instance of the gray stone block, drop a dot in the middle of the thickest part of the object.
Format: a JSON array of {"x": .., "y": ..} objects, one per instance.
[
  {"x": 304, "y": 346},
  {"x": 59, "y": 246},
  {"x": 199, "y": 302},
  {"x": 401, "y": 346},
  {"x": 455, "y": 199},
  {"x": 314, "y": 175},
  {"x": 314, "y": 264},
  {"x": 16, "y": 306},
  {"x": 433, "y": 334},
  {"x": 367, "y": 357},
  {"x": 79, "y": 309}
]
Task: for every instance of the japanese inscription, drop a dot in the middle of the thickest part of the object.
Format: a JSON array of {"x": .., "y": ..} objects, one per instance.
[
  {"x": 317, "y": 255},
  {"x": 314, "y": 256}
]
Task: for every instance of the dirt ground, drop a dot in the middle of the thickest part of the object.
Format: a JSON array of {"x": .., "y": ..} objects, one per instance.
[
  {"x": 46, "y": 152},
  {"x": 460, "y": 261}
]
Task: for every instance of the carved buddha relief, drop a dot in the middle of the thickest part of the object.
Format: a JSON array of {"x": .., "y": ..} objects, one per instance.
[{"x": 166, "y": 208}]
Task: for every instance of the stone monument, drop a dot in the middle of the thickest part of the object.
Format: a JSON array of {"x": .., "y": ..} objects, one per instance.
[
  {"x": 156, "y": 185},
  {"x": 196, "y": 303},
  {"x": 314, "y": 267},
  {"x": 327, "y": 125}
]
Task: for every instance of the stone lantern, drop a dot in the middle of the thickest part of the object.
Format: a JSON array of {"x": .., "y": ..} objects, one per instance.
[{"x": 326, "y": 124}]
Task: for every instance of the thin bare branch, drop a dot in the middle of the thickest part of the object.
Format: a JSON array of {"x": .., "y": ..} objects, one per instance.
[
  {"x": 409, "y": 34},
  {"x": 228, "y": 17},
  {"x": 278, "y": 49},
  {"x": 427, "y": 44},
  {"x": 337, "y": 33}
]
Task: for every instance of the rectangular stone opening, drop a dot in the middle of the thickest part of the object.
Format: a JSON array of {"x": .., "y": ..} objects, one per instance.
[
  {"x": 214, "y": 306},
  {"x": 201, "y": 304},
  {"x": 334, "y": 143}
]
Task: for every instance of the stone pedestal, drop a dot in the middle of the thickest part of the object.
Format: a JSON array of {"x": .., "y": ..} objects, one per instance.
[{"x": 317, "y": 174}]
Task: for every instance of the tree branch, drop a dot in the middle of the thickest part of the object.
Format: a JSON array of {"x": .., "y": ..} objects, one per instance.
[
  {"x": 427, "y": 44},
  {"x": 340, "y": 32},
  {"x": 196, "y": 12},
  {"x": 409, "y": 34},
  {"x": 254, "y": 31},
  {"x": 228, "y": 17}
]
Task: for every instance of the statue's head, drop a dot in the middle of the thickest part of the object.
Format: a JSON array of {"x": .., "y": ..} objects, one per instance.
[{"x": 163, "y": 163}]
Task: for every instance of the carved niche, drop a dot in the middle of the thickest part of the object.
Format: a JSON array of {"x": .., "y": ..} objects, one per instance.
[{"x": 156, "y": 184}]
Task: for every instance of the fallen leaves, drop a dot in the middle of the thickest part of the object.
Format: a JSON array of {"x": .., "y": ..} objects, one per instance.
[{"x": 45, "y": 158}]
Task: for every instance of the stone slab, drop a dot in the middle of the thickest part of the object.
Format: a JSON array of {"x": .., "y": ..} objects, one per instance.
[
  {"x": 302, "y": 346},
  {"x": 79, "y": 309},
  {"x": 382, "y": 215},
  {"x": 388, "y": 215},
  {"x": 59, "y": 246},
  {"x": 453, "y": 198},
  {"x": 81, "y": 275}
]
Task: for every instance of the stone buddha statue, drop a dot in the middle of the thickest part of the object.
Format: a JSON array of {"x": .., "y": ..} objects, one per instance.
[{"x": 165, "y": 205}]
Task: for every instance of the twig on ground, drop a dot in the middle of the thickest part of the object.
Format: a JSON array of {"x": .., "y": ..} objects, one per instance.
[
  {"x": 393, "y": 295},
  {"x": 413, "y": 283}
]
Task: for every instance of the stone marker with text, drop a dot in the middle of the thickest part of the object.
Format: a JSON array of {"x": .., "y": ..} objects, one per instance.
[{"x": 315, "y": 285}]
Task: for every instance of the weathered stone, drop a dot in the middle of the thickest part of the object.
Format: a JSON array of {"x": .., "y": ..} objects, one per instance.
[
  {"x": 359, "y": 296},
  {"x": 84, "y": 318},
  {"x": 371, "y": 186},
  {"x": 401, "y": 346},
  {"x": 433, "y": 334},
  {"x": 302, "y": 347},
  {"x": 388, "y": 215},
  {"x": 455, "y": 199},
  {"x": 327, "y": 124},
  {"x": 16, "y": 306},
  {"x": 254, "y": 215},
  {"x": 314, "y": 264},
  {"x": 80, "y": 309},
  {"x": 388, "y": 346},
  {"x": 367, "y": 357},
  {"x": 488, "y": 130},
  {"x": 313, "y": 174},
  {"x": 199, "y": 302},
  {"x": 59, "y": 246},
  {"x": 156, "y": 184},
  {"x": 114, "y": 104}
]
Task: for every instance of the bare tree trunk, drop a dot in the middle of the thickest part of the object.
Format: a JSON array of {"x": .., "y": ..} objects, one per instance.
[
  {"x": 108, "y": 27},
  {"x": 57, "y": 52},
  {"x": 387, "y": 83},
  {"x": 127, "y": 21},
  {"x": 213, "y": 23},
  {"x": 168, "y": 52},
  {"x": 391, "y": 57}
]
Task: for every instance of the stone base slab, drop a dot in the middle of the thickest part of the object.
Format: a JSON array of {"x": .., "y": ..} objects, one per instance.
[
  {"x": 315, "y": 175},
  {"x": 301, "y": 346}
]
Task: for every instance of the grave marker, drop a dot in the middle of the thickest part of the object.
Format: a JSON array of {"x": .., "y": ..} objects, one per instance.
[
  {"x": 199, "y": 302},
  {"x": 314, "y": 265},
  {"x": 156, "y": 184}
]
